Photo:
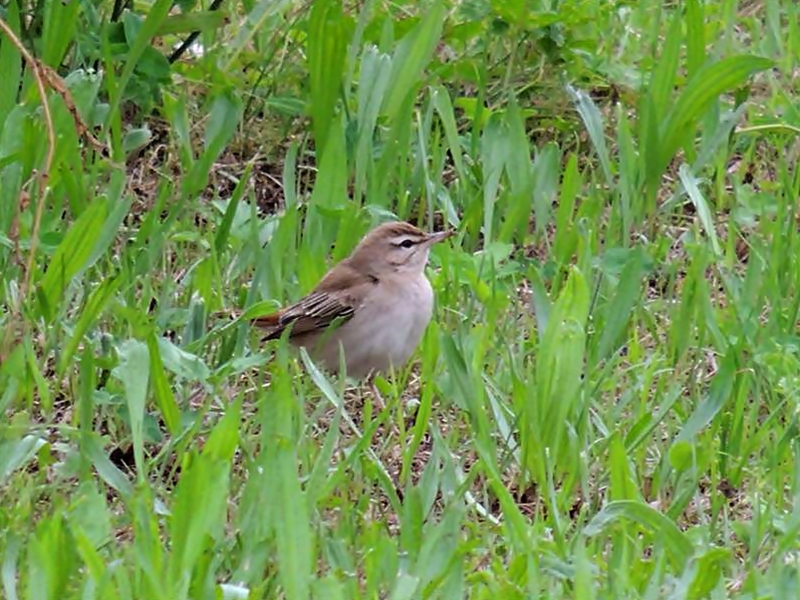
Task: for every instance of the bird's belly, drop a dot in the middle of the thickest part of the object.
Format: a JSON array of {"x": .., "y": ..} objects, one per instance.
[{"x": 382, "y": 334}]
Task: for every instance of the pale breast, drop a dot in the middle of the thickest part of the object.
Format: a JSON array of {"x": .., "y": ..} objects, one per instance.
[{"x": 384, "y": 331}]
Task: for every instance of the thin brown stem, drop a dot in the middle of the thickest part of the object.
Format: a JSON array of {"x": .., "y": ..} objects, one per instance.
[{"x": 43, "y": 174}]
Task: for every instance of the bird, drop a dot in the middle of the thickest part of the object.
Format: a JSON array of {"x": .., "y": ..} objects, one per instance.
[{"x": 373, "y": 306}]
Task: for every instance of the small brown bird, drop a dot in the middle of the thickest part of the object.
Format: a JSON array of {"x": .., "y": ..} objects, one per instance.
[{"x": 374, "y": 305}]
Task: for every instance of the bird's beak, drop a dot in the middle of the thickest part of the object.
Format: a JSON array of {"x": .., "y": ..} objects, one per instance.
[{"x": 439, "y": 236}]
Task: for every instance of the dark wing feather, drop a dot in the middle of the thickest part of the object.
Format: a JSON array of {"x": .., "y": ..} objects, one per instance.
[{"x": 334, "y": 300}]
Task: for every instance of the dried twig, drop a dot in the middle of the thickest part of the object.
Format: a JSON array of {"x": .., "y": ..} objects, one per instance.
[
  {"x": 57, "y": 84},
  {"x": 44, "y": 77},
  {"x": 43, "y": 174}
]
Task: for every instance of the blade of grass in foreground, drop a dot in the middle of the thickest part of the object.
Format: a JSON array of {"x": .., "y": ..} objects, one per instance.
[
  {"x": 412, "y": 55},
  {"x": 695, "y": 99},
  {"x": 327, "y": 51},
  {"x": 289, "y": 511},
  {"x": 199, "y": 508},
  {"x": 134, "y": 372},
  {"x": 71, "y": 256},
  {"x": 158, "y": 12},
  {"x": 663, "y": 530}
]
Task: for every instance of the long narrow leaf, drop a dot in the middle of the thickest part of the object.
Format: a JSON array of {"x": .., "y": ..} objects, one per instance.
[
  {"x": 72, "y": 254},
  {"x": 327, "y": 50},
  {"x": 677, "y": 544},
  {"x": 413, "y": 53},
  {"x": 590, "y": 115},
  {"x": 707, "y": 84}
]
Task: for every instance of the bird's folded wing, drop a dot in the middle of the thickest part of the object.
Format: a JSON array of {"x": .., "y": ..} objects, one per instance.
[{"x": 330, "y": 302}]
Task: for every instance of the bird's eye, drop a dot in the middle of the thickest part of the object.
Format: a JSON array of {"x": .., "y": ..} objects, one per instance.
[{"x": 406, "y": 243}]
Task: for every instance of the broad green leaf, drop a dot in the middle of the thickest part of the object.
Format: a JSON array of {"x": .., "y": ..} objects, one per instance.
[
  {"x": 527, "y": 181},
  {"x": 651, "y": 164},
  {"x": 628, "y": 171},
  {"x": 439, "y": 544},
  {"x": 119, "y": 209},
  {"x": 330, "y": 192},
  {"x": 198, "y": 20},
  {"x": 585, "y": 588},
  {"x": 518, "y": 163},
  {"x": 623, "y": 482},
  {"x": 224, "y": 229},
  {"x": 681, "y": 455},
  {"x": 35, "y": 372},
  {"x": 546, "y": 173},
  {"x": 176, "y": 113},
  {"x": 72, "y": 255},
  {"x": 184, "y": 364},
  {"x": 144, "y": 33},
  {"x": 257, "y": 20},
  {"x": 718, "y": 396},
  {"x": 664, "y": 530},
  {"x": 707, "y": 84},
  {"x": 405, "y": 587},
  {"x": 320, "y": 380},
  {"x": 542, "y": 304},
  {"x": 60, "y": 29},
  {"x": 161, "y": 387},
  {"x": 444, "y": 108},
  {"x": 224, "y": 439},
  {"x": 89, "y": 515},
  {"x": 51, "y": 557},
  {"x": 372, "y": 85},
  {"x": 619, "y": 309},
  {"x": 10, "y": 65},
  {"x": 10, "y": 556},
  {"x": 662, "y": 81},
  {"x": 695, "y": 37},
  {"x": 135, "y": 138},
  {"x": 495, "y": 148},
  {"x": 84, "y": 86},
  {"x": 225, "y": 114},
  {"x": 320, "y": 472},
  {"x": 565, "y": 240},
  {"x": 593, "y": 121},
  {"x": 412, "y": 55},
  {"x": 557, "y": 396},
  {"x": 134, "y": 372},
  {"x": 701, "y": 206},
  {"x": 92, "y": 310},
  {"x": 95, "y": 563},
  {"x": 290, "y": 176},
  {"x": 197, "y": 517},
  {"x": 106, "y": 470},
  {"x": 198, "y": 514},
  {"x": 289, "y": 512},
  {"x": 327, "y": 51},
  {"x": 710, "y": 567},
  {"x": 16, "y": 453}
]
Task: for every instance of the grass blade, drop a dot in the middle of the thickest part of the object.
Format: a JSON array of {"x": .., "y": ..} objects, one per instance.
[
  {"x": 708, "y": 83},
  {"x": 72, "y": 256},
  {"x": 327, "y": 51},
  {"x": 678, "y": 546},
  {"x": 412, "y": 55},
  {"x": 134, "y": 372},
  {"x": 590, "y": 115}
]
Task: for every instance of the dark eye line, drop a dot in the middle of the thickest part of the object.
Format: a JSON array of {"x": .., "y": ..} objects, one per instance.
[{"x": 406, "y": 243}]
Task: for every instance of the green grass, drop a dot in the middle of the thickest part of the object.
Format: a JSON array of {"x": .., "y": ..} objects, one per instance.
[{"x": 606, "y": 402}]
